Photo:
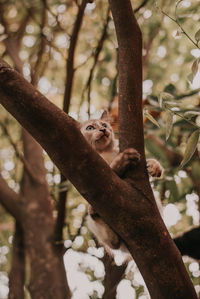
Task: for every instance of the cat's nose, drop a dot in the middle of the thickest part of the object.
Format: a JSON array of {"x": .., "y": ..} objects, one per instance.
[{"x": 103, "y": 130}]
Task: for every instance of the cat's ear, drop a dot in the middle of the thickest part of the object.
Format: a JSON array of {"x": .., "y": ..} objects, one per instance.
[{"x": 105, "y": 116}]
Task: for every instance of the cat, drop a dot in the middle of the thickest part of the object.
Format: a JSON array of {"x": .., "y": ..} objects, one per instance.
[{"x": 99, "y": 134}]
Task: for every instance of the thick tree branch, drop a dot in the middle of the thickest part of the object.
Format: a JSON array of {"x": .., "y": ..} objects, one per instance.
[
  {"x": 130, "y": 76},
  {"x": 189, "y": 243},
  {"x": 39, "y": 116}
]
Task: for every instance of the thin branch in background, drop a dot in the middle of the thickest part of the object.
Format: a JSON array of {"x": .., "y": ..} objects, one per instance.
[
  {"x": 66, "y": 103},
  {"x": 18, "y": 153},
  {"x": 40, "y": 55},
  {"x": 148, "y": 45},
  {"x": 10, "y": 200},
  {"x": 17, "y": 272},
  {"x": 96, "y": 56},
  {"x": 189, "y": 94},
  {"x": 71, "y": 54},
  {"x": 140, "y": 6},
  {"x": 60, "y": 220},
  {"x": 22, "y": 27},
  {"x": 176, "y": 20},
  {"x": 114, "y": 87},
  {"x": 53, "y": 14},
  {"x": 80, "y": 226}
]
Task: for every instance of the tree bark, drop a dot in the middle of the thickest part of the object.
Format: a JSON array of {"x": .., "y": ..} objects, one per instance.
[
  {"x": 113, "y": 276},
  {"x": 189, "y": 243}
]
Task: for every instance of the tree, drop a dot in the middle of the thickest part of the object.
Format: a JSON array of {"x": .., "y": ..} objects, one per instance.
[{"x": 132, "y": 196}]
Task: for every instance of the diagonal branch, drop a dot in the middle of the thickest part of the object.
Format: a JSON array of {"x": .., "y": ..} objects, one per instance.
[
  {"x": 70, "y": 61},
  {"x": 10, "y": 200},
  {"x": 96, "y": 57},
  {"x": 144, "y": 2},
  {"x": 39, "y": 116}
]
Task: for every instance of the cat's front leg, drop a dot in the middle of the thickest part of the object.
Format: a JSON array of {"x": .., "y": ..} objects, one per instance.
[
  {"x": 129, "y": 156},
  {"x": 154, "y": 168}
]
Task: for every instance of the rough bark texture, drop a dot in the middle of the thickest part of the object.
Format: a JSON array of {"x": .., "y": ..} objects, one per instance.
[{"x": 126, "y": 205}]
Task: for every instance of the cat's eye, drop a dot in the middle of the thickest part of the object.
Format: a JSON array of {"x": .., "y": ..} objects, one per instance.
[
  {"x": 104, "y": 125},
  {"x": 89, "y": 128}
]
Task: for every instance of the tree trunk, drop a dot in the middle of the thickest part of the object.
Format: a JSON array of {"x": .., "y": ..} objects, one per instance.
[{"x": 48, "y": 276}]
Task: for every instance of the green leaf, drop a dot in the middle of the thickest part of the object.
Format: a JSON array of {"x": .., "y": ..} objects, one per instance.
[
  {"x": 170, "y": 89},
  {"x": 151, "y": 118},
  {"x": 197, "y": 36},
  {"x": 163, "y": 97},
  {"x": 169, "y": 123},
  {"x": 190, "y": 114},
  {"x": 190, "y": 148},
  {"x": 195, "y": 67},
  {"x": 190, "y": 78}
]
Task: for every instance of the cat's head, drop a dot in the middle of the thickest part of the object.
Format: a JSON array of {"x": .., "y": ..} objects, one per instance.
[{"x": 98, "y": 133}]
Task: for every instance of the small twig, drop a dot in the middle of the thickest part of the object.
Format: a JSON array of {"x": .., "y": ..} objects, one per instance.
[
  {"x": 179, "y": 25},
  {"x": 18, "y": 154},
  {"x": 180, "y": 115}
]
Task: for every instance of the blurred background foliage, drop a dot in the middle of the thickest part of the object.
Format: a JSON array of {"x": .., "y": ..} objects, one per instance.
[{"x": 169, "y": 57}]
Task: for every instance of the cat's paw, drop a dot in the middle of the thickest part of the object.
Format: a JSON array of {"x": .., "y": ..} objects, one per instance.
[
  {"x": 154, "y": 168},
  {"x": 129, "y": 156}
]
